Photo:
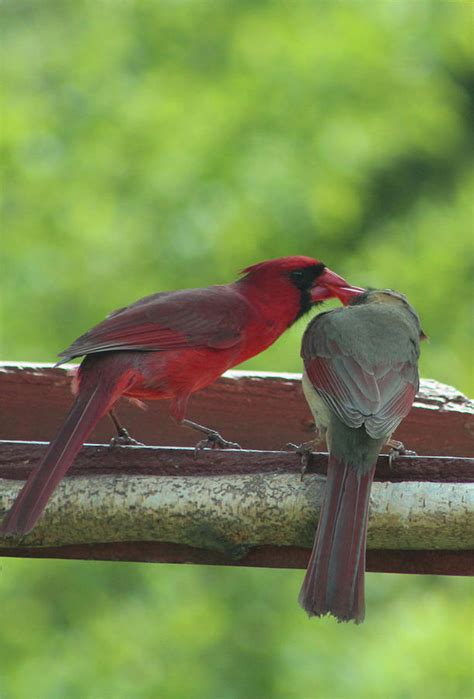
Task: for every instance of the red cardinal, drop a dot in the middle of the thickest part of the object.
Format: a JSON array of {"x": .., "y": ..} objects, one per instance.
[
  {"x": 170, "y": 345},
  {"x": 360, "y": 379}
]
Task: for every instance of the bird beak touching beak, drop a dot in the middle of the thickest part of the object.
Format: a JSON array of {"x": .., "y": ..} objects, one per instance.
[{"x": 330, "y": 285}]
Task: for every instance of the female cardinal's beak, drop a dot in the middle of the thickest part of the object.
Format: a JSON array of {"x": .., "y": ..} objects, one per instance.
[{"x": 330, "y": 285}]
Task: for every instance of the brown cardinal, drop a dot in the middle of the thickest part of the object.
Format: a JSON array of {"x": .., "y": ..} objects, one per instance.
[
  {"x": 360, "y": 379},
  {"x": 170, "y": 345}
]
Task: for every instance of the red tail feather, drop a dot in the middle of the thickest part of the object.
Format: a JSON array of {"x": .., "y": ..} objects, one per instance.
[
  {"x": 334, "y": 581},
  {"x": 90, "y": 405}
]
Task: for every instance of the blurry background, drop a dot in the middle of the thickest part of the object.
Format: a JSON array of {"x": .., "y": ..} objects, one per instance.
[{"x": 158, "y": 145}]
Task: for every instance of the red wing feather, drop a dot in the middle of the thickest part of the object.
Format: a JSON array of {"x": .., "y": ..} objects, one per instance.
[
  {"x": 213, "y": 317},
  {"x": 380, "y": 399}
]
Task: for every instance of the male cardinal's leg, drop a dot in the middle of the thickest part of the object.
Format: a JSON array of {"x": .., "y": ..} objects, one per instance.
[
  {"x": 213, "y": 439},
  {"x": 123, "y": 438}
]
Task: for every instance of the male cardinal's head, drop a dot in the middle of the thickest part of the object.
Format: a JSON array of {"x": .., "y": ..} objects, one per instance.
[{"x": 309, "y": 278}]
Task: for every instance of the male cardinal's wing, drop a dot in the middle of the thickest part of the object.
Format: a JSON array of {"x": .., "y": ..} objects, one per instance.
[
  {"x": 214, "y": 317},
  {"x": 361, "y": 386}
]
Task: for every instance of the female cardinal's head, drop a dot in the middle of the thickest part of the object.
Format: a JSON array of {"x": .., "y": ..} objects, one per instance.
[
  {"x": 311, "y": 279},
  {"x": 389, "y": 296}
]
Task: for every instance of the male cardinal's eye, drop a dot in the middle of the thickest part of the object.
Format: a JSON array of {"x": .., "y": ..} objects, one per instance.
[
  {"x": 304, "y": 278},
  {"x": 300, "y": 278},
  {"x": 298, "y": 274}
]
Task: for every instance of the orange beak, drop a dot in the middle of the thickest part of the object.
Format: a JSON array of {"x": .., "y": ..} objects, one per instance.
[{"x": 330, "y": 285}]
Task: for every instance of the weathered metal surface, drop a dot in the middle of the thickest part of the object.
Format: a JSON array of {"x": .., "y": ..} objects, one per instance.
[{"x": 18, "y": 458}]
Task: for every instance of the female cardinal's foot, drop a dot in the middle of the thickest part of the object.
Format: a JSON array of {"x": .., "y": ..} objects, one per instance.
[
  {"x": 123, "y": 439},
  {"x": 305, "y": 450},
  {"x": 397, "y": 449}
]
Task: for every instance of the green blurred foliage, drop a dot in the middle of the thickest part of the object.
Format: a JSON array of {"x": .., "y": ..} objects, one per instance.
[{"x": 156, "y": 145}]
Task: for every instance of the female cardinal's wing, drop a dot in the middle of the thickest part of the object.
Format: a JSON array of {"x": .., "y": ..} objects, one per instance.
[
  {"x": 213, "y": 317},
  {"x": 362, "y": 361}
]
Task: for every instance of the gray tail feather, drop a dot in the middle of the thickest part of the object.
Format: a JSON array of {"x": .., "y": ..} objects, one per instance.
[{"x": 334, "y": 581}]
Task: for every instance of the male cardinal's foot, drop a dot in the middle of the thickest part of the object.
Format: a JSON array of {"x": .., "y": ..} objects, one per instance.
[
  {"x": 213, "y": 439},
  {"x": 397, "y": 449},
  {"x": 305, "y": 450},
  {"x": 123, "y": 439}
]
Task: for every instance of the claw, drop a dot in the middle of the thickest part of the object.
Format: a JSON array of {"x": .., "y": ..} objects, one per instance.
[
  {"x": 123, "y": 439},
  {"x": 305, "y": 450},
  {"x": 397, "y": 449},
  {"x": 214, "y": 440}
]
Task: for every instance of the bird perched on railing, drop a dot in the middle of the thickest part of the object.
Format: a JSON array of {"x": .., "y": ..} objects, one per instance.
[
  {"x": 360, "y": 379},
  {"x": 170, "y": 345}
]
